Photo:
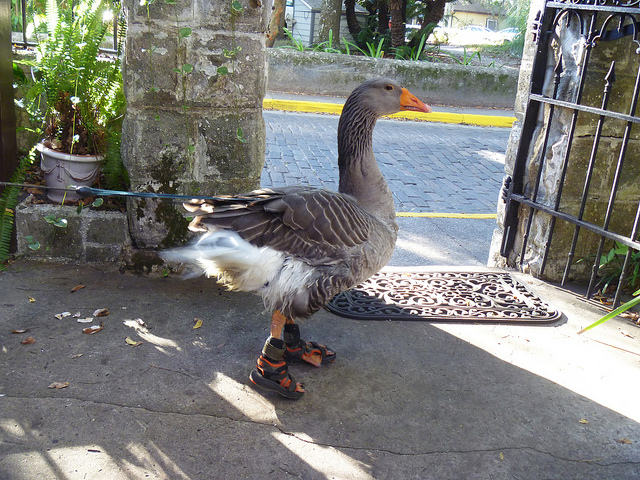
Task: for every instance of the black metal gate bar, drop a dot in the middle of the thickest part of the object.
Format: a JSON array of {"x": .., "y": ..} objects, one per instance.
[
  {"x": 584, "y": 108},
  {"x": 556, "y": 83},
  {"x": 624, "y": 240},
  {"x": 607, "y": 218},
  {"x": 627, "y": 258},
  {"x": 591, "y": 5},
  {"x": 572, "y": 129},
  {"x": 608, "y": 82},
  {"x": 626, "y": 14},
  {"x": 540, "y": 30}
]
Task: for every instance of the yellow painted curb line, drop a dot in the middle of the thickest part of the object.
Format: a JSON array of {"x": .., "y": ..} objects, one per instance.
[
  {"x": 301, "y": 106},
  {"x": 480, "y": 216},
  {"x": 442, "y": 117}
]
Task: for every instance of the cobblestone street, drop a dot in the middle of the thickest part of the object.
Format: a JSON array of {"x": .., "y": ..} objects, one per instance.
[{"x": 430, "y": 167}]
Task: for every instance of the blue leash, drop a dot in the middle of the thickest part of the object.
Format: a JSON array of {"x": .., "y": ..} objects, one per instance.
[{"x": 100, "y": 192}]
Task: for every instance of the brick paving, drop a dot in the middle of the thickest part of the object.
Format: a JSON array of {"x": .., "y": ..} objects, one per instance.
[{"x": 430, "y": 167}]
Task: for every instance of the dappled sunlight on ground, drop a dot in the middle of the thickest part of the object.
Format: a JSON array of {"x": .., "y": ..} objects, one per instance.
[
  {"x": 247, "y": 401},
  {"x": 83, "y": 461},
  {"x": 452, "y": 401},
  {"x": 327, "y": 460},
  {"x": 601, "y": 365},
  {"x": 162, "y": 344}
]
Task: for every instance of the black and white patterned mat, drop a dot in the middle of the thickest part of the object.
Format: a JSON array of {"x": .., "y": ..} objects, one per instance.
[{"x": 467, "y": 297}]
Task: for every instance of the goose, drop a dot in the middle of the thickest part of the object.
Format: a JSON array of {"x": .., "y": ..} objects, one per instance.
[{"x": 299, "y": 246}]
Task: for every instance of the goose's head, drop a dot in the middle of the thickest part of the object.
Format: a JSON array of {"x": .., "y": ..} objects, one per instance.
[{"x": 384, "y": 96}]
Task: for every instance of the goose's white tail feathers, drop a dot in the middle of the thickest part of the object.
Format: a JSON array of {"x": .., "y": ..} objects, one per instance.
[{"x": 234, "y": 261}]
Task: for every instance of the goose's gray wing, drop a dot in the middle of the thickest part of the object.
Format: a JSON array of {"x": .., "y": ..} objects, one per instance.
[{"x": 312, "y": 224}]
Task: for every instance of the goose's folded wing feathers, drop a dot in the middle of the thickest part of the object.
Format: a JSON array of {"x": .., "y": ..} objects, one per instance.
[{"x": 309, "y": 223}]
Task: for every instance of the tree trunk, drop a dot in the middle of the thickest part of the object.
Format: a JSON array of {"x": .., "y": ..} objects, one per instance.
[
  {"x": 383, "y": 16},
  {"x": 434, "y": 11},
  {"x": 352, "y": 21},
  {"x": 330, "y": 13},
  {"x": 276, "y": 22},
  {"x": 397, "y": 24}
]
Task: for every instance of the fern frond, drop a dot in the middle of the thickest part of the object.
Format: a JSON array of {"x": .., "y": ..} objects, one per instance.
[{"x": 8, "y": 202}]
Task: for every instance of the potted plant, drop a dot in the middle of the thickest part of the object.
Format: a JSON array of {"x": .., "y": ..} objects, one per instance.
[{"x": 77, "y": 95}]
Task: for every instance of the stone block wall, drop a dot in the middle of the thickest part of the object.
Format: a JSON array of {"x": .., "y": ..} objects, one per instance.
[
  {"x": 318, "y": 73},
  {"x": 91, "y": 236}
]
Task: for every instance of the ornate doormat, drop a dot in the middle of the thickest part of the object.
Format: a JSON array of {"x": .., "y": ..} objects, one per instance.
[{"x": 466, "y": 297}]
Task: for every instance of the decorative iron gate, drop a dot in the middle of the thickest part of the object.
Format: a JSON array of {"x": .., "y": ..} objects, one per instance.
[{"x": 575, "y": 97}]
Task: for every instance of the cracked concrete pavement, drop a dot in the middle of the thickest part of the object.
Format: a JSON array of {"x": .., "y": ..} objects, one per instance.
[{"x": 404, "y": 400}]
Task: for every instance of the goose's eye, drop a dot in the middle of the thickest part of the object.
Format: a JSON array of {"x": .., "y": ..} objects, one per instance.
[{"x": 389, "y": 87}]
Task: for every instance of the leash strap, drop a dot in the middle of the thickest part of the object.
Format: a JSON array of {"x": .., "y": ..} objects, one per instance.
[{"x": 100, "y": 192}]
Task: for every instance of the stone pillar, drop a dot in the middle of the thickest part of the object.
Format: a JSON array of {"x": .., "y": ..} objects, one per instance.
[
  {"x": 194, "y": 78},
  {"x": 568, "y": 43}
]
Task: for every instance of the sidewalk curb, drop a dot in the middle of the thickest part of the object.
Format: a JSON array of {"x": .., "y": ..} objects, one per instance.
[{"x": 441, "y": 117}]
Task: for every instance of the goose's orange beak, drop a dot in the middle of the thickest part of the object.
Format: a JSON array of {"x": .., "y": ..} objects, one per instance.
[{"x": 408, "y": 101}]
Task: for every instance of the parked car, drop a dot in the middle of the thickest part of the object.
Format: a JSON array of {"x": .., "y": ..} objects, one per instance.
[
  {"x": 474, "y": 35},
  {"x": 508, "y": 34}
]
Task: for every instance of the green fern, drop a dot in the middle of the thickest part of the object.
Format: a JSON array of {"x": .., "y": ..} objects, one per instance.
[
  {"x": 116, "y": 176},
  {"x": 81, "y": 89},
  {"x": 8, "y": 202}
]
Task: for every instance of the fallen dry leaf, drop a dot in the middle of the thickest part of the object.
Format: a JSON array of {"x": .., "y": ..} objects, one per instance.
[
  {"x": 62, "y": 315},
  {"x": 85, "y": 320},
  {"x": 101, "y": 312},
  {"x": 31, "y": 299},
  {"x": 77, "y": 355},
  {"x": 132, "y": 342},
  {"x": 501, "y": 456},
  {"x": 59, "y": 385},
  {"x": 628, "y": 335},
  {"x": 625, "y": 441},
  {"x": 21, "y": 330},
  {"x": 93, "y": 329},
  {"x": 583, "y": 420},
  {"x": 28, "y": 341},
  {"x": 140, "y": 322},
  {"x": 631, "y": 315},
  {"x": 76, "y": 288},
  {"x": 197, "y": 322}
]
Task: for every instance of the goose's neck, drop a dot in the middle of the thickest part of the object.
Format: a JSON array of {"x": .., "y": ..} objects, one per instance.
[{"x": 360, "y": 175}]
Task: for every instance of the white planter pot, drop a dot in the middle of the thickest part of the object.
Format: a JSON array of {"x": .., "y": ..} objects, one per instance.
[{"x": 62, "y": 170}]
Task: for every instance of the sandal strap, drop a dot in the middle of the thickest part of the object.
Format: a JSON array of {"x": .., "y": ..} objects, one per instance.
[
  {"x": 273, "y": 349},
  {"x": 276, "y": 372},
  {"x": 306, "y": 348},
  {"x": 291, "y": 334}
]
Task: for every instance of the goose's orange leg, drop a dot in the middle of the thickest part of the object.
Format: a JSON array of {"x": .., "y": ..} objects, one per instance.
[{"x": 277, "y": 323}]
